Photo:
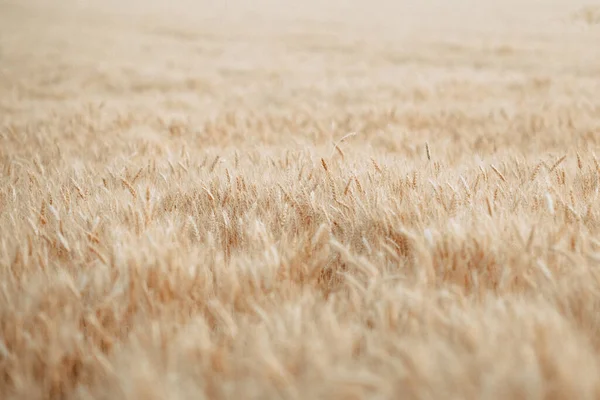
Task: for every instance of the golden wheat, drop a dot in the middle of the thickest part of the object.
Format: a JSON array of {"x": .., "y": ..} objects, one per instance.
[{"x": 312, "y": 201}]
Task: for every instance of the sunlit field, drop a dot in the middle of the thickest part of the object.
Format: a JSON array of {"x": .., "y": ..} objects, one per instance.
[{"x": 313, "y": 200}]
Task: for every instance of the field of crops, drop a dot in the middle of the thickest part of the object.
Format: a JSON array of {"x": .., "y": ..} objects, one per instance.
[{"x": 314, "y": 200}]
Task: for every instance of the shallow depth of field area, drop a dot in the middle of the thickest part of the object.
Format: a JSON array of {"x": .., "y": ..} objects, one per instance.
[{"x": 299, "y": 200}]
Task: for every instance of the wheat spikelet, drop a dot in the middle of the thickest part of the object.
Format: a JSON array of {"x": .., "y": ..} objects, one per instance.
[
  {"x": 137, "y": 175},
  {"x": 489, "y": 206},
  {"x": 130, "y": 188},
  {"x": 208, "y": 192},
  {"x": 498, "y": 173},
  {"x": 337, "y": 147},
  {"x": 557, "y": 163},
  {"x": 358, "y": 185},
  {"x": 536, "y": 171},
  {"x": 377, "y": 168},
  {"x": 324, "y": 164},
  {"x": 213, "y": 165}
]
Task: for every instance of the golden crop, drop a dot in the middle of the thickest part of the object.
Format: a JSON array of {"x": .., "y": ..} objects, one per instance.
[{"x": 311, "y": 200}]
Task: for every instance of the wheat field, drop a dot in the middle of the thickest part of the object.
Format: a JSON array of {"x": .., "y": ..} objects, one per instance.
[{"x": 319, "y": 200}]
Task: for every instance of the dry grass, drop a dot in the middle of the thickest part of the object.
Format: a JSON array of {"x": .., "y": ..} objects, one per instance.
[{"x": 333, "y": 200}]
